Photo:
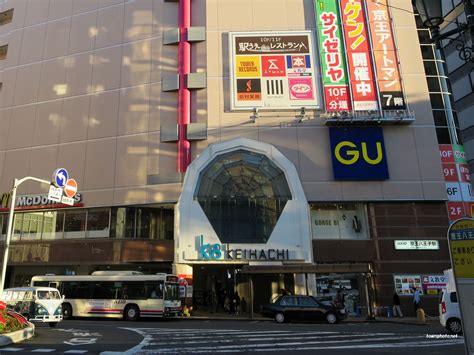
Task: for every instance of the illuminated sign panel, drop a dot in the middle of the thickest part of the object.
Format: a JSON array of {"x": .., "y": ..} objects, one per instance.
[
  {"x": 273, "y": 70},
  {"x": 332, "y": 57},
  {"x": 364, "y": 95},
  {"x": 385, "y": 56},
  {"x": 358, "y": 153}
]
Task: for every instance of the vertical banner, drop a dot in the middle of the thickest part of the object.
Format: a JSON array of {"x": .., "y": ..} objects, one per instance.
[
  {"x": 385, "y": 55},
  {"x": 273, "y": 70},
  {"x": 458, "y": 181},
  {"x": 333, "y": 61},
  {"x": 364, "y": 95}
]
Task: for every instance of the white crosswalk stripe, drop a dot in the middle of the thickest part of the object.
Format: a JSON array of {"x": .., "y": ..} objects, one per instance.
[
  {"x": 238, "y": 341},
  {"x": 11, "y": 349},
  {"x": 43, "y": 350}
]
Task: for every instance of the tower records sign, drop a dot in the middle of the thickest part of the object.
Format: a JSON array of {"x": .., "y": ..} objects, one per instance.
[{"x": 273, "y": 70}]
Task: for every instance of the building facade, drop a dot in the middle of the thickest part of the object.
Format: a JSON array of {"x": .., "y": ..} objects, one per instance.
[
  {"x": 248, "y": 146},
  {"x": 461, "y": 75}
]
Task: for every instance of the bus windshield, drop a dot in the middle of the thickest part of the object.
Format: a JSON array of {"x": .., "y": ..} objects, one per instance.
[{"x": 171, "y": 292}]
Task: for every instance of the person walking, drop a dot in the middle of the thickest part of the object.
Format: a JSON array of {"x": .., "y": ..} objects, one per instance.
[
  {"x": 416, "y": 298},
  {"x": 236, "y": 303},
  {"x": 396, "y": 306}
]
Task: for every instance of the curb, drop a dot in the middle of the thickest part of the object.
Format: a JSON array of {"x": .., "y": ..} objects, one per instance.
[
  {"x": 414, "y": 322},
  {"x": 19, "y": 335}
]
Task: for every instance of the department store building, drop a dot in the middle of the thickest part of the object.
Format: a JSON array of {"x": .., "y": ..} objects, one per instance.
[{"x": 250, "y": 146}]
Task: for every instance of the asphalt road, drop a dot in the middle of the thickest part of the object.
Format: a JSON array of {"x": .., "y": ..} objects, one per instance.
[{"x": 109, "y": 337}]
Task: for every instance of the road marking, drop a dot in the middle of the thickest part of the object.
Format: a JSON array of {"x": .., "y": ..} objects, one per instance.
[
  {"x": 75, "y": 351},
  {"x": 213, "y": 340},
  {"x": 43, "y": 350},
  {"x": 11, "y": 349}
]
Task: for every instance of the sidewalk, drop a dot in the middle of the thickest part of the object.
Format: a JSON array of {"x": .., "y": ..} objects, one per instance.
[{"x": 197, "y": 315}]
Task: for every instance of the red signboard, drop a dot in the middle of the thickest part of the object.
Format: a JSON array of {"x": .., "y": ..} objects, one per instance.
[
  {"x": 385, "y": 56},
  {"x": 361, "y": 75},
  {"x": 273, "y": 65},
  {"x": 450, "y": 172},
  {"x": 455, "y": 210},
  {"x": 446, "y": 153}
]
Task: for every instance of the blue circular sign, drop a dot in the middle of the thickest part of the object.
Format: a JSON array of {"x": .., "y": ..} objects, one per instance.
[{"x": 60, "y": 177}]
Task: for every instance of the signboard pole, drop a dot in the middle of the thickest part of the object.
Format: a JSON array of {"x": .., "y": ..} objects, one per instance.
[
  {"x": 16, "y": 183},
  {"x": 461, "y": 243}
]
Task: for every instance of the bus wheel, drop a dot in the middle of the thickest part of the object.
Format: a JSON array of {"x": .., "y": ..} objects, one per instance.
[
  {"x": 53, "y": 324},
  {"x": 131, "y": 312},
  {"x": 67, "y": 311}
]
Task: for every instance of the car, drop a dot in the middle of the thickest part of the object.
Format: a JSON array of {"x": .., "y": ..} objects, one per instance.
[
  {"x": 449, "y": 313},
  {"x": 291, "y": 307},
  {"x": 37, "y": 304}
]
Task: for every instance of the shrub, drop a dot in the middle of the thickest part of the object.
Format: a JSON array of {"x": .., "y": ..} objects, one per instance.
[{"x": 11, "y": 321}]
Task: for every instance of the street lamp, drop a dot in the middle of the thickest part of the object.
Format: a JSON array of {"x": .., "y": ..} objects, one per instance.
[{"x": 431, "y": 13}]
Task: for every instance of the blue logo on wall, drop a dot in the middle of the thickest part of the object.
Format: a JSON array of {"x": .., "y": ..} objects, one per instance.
[{"x": 358, "y": 154}]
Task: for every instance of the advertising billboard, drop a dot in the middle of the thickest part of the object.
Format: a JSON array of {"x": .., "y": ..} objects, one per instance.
[
  {"x": 273, "y": 70},
  {"x": 361, "y": 74},
  {"x": 332, "y": 56},
  {"x": 358, "y": 153},
  {"x": 385, "y": 56}
]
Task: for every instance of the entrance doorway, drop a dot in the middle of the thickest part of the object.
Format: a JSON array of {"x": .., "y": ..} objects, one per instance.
[{"x": 214, "y": 287}]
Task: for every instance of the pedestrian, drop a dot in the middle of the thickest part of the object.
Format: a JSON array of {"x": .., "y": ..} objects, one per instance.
[
  {"x": 396, "y": 305},
  {"x": 227, "y": 304},
  {"x": 339, "y": 299},
  {"x": 236, "y": 303},
  {"x": 416, "y": 299}
]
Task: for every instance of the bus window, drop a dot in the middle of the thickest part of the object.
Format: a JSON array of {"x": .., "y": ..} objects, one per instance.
[
  {"x": 103, "y": 290},
  {"x": 154, "y": 289},
  {"x": 171, "y": 292},
  {"x": 133, "y": 290}
]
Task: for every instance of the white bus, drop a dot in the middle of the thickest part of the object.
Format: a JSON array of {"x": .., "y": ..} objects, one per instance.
[{"x": 116, "y": 294}]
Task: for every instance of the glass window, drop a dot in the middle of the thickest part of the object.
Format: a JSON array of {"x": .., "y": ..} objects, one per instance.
[
  {"x": 53, "y": 222},
  {"x": 288, "y": 301},
  {"x": 133, "y": 290},
  {"x": 339, "y": 221},
  {"x": 167, "y": 224},
  {"x": 154, "y": 289},
  {"x": 453, "y": 297},
  {"x": 306, "y": 302},
  {"x": 443, "y": 136},
  {"x": 98, "y": 223},
  {"x": 3, "y": 226},
  {"x": 242, "y": 194},
  {"x": 440, "y": 118},
  {"x": 75, "y": 224},
  {"x": 123, "y": 222},
  {"x": 17, "y": 226},
  {"x": 32, "y": 226},
  {"x": 437, "y": 101},
  {"x": 103, "y": 290},
  {"x": 433, "y": 84},
  {"x": 430, "y": 67}
]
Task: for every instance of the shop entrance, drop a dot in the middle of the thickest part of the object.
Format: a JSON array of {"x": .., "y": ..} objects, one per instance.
[{"x": 215, "y": 286}]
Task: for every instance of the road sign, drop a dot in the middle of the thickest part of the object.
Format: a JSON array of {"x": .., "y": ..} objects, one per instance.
[
  {"x": 55, "y": 193},
  {"x": 70, "y": 188},
  {"x": 60, "y": 176},
  {"x": 461, "y": 247},
  {"x": 461, "y": 242},
  {"x": 67, "y": 200}
]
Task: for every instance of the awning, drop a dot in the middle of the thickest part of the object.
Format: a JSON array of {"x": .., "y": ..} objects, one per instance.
[{"x": 306, "y": 268}]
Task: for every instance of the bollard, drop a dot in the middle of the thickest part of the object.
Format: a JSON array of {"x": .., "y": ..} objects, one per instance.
[
  {"x": 389, "y": 312},
  {"x": 420, "y": 315}
]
